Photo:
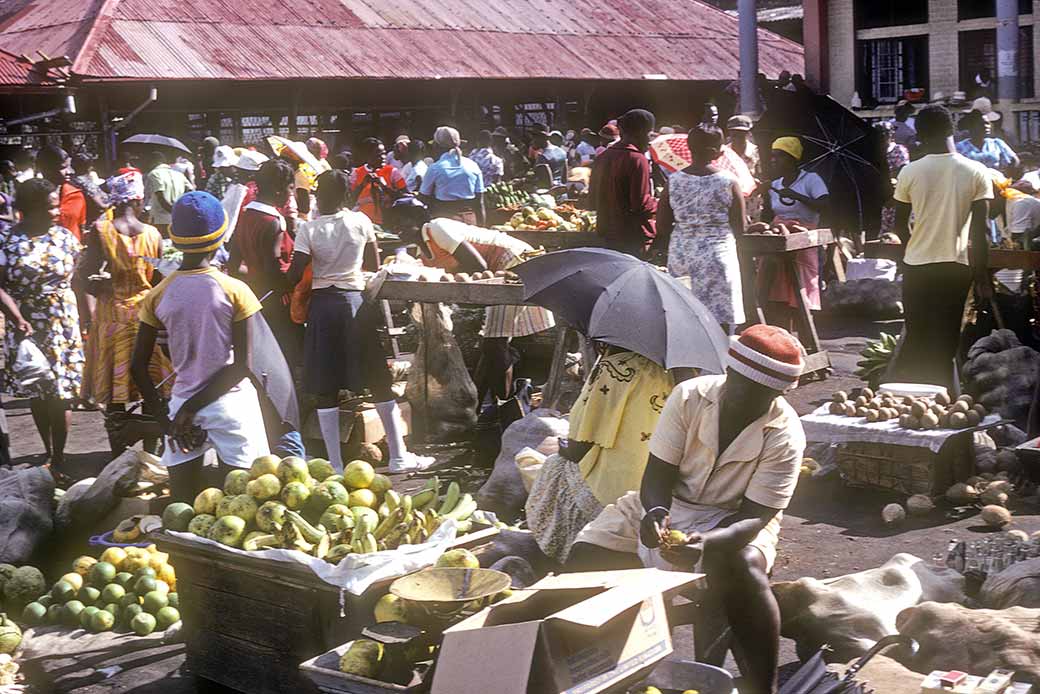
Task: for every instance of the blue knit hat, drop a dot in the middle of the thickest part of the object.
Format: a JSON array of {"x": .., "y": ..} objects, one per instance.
[{"x": 199, "y": 223}]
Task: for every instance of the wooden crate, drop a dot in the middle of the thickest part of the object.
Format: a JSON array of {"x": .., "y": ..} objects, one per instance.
[
  {"x": 906, "y": 469},
  {"x": 249, "y": 622}
]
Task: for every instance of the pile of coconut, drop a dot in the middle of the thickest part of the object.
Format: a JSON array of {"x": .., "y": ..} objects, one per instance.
[{"x": 990, "y": 491}]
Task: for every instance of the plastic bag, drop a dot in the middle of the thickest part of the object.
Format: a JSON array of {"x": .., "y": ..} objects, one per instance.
[{"x": 31, "y": 366}]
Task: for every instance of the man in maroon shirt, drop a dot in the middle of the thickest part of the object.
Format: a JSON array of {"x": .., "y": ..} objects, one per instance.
[{"x": 621, "y": 191}]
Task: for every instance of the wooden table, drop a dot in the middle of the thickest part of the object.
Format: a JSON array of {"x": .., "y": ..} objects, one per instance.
[
  {"x": 783, "y": 248},
  {"x": 558, "y": 240},
  {"x": 496, "y": 292}
]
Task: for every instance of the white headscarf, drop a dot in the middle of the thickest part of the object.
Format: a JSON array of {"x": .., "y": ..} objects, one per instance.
[{"x": 448, "y": 138}]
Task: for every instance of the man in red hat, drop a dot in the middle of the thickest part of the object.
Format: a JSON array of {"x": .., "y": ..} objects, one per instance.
[{"x": 724, "y": 463}]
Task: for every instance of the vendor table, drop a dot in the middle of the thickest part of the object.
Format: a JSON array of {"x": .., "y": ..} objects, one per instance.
[
  {"x": 249, "y": 622},
  {"x": 783, "y": 248},
  {"x": 885, "y": 455},
  {"x": 558, "y": 240},
  {"x": 494, "y": 292}
]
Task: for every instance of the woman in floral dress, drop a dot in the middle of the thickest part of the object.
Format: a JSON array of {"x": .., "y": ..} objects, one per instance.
[
  {"x": 700, "y": 214},
  {"x": 123, "y": 244},
  {"x": 37, "y": 261},
  {"x": 897, "y": 157}
]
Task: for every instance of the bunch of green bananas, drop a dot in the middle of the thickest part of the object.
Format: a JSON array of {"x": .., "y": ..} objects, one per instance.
[{"x": 876, "y": 357}]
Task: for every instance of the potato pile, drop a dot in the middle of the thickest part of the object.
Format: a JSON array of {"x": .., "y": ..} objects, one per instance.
[
  {"x": 912, "y": 413},
  {"x": 472, "y": 277},
  {"x": 775, "y": 229}
]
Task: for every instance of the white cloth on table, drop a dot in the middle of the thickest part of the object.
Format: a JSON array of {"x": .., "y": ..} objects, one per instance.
[{"x": 823, "y": 427}]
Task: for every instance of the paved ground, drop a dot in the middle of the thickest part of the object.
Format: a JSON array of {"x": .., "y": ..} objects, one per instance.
[{"x": 830, "y": 530}]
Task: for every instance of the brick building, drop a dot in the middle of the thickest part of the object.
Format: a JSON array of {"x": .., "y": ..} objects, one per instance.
[{"x": 886, "y": 50}]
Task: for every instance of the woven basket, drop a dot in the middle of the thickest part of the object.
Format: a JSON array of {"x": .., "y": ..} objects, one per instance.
[{"x": 905, "y": 469}]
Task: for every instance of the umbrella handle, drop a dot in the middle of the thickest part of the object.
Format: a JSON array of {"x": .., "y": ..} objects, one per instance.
[{"x": 893, "y": 640}]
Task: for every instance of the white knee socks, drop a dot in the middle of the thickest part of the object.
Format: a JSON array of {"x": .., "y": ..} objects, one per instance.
[
  {"x": 393, "y": 425},
  {"x": 328, "y": 421}
]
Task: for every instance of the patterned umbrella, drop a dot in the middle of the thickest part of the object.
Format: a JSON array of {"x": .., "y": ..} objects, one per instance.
[{"x": 672, "y": 153}]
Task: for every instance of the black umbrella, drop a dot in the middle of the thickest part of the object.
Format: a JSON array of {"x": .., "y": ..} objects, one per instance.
[
  {"x": 157, "y": 141},
  {"x": 622, "y": 301},
  {"x": 814, "y": 678},
  {"x": 842, "y": 148}
]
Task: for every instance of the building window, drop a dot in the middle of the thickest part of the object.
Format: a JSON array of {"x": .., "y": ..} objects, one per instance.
[
  {"x": 979, "y": 9},
  {"x": 890, "y": 68},
  {"x": 978, "y": 61},
  {"x": 871, "y": 14}
]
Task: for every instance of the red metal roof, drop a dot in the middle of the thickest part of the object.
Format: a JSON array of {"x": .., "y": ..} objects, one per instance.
[
  {"x": 388, "y": 39},
  {"x": 16, "y": 72}
]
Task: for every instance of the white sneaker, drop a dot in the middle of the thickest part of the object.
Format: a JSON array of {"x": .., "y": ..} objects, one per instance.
[{"x": 410, "y": 462}]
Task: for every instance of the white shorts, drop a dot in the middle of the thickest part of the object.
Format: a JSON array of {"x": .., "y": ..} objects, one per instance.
[{"x": 234, "y": 428}]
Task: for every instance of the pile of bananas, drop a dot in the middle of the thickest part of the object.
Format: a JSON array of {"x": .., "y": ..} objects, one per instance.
[{"x": 876, "y": 357}]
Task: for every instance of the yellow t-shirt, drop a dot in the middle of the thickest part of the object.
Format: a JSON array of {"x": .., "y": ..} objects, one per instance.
[
  {"x": 762, "y": 463},
  {"x": 197, "y": 309},
  {"x": 940, "y": 188}
]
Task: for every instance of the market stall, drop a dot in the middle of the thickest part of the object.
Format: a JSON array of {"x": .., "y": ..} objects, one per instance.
[
  {"x": 782, "y": 248},
  {"x": 898, "y": 442}
]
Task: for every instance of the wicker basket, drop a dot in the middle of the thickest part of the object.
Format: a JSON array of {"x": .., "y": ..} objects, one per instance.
[{"x": 906, "y": 469}]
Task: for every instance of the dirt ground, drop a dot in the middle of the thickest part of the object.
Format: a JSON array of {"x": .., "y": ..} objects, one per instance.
[{"x": 829, "y": 530}]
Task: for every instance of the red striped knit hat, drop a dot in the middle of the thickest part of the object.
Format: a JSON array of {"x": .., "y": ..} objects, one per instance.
[{"x": 768, "y": 355}]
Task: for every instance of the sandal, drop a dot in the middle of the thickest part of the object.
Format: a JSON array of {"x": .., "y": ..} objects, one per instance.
[{"x": 61, "y": 480}]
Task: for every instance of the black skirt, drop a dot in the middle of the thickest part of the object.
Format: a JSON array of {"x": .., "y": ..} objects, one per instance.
[{"x": 341, "y": 348}]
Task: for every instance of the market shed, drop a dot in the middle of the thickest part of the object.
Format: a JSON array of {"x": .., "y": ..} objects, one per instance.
[{"x": 245, "y": 70}]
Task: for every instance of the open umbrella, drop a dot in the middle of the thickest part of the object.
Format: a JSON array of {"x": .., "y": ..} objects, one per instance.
[
  {"x": 271, "y": 374},
  {"x": 294, "y": 149},
  {"x": 839, "y": 146},
  {"x": 672, "y": 153},
  {"x": 157, "y": 141},
  {"x": 622, "y": 301},
  {"x": 814, "y": 678}
]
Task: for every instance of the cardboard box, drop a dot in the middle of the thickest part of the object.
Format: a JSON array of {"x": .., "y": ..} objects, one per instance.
[{"x": 573, "y": 634}]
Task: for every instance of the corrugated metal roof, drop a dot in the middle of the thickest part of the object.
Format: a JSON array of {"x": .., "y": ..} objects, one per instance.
[
  {"x": 16, "y": 72},
  {"x": 13, "y": 71},
  {"x": 388, "y": 39}
]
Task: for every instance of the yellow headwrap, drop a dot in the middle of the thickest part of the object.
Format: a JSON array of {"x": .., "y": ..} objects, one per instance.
[{"x": 791, "y": 145}]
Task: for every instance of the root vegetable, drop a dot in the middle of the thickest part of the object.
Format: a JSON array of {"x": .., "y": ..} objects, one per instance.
[
  {"x": 994, "y": 497},
  {"x": 962, "y": 493},
  {"x": 995, "y": 516},
  {"x": 893, "y": 514},
  {"x": 1020, "y": 535},
  {"x": 920, "y": 505}
]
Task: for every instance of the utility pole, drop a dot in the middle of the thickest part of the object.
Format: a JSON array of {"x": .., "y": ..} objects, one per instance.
[
  {"x": 1007, "y": 59},
  {"x": 748, "y": 56}
]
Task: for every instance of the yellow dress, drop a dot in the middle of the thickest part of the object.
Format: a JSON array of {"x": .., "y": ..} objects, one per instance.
[
  {"x": 617, "y": 412},
  {"x": 110, "y": 346}
]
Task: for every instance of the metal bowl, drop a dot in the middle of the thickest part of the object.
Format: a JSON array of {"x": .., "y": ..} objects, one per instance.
[{"x": 439, "y": 594}]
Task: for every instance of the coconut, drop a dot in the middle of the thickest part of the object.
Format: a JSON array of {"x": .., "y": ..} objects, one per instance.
[
  {"x": 961, "y": 493},
  {"x": 995, "y": 516},
  {"x": 893, "y": 514},
  {"x": 993, "y": 496},
  {"x": 1035, "y": 537},
  {"x": 1020, "y": 535},
  {"x": 1000, "y": 485},
  {"x": 920, "y": 505}
]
